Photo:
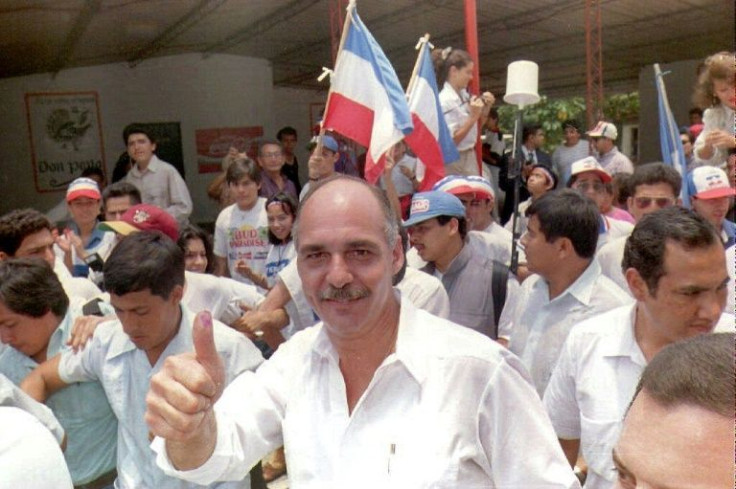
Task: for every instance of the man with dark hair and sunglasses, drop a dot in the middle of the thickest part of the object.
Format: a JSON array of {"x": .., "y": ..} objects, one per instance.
[
  {"x": 588, "y": 177},
  {"x": 653, "y": 186}
]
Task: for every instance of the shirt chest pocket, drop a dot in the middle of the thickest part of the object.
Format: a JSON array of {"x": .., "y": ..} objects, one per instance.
[{"x": 421, "y": 465}]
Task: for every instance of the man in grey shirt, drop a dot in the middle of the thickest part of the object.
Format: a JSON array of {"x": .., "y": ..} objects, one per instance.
[
  {"x": 438, "y": 231},
  {"x": 574, "y": 148}
]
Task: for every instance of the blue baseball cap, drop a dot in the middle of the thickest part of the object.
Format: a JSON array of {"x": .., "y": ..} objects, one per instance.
[
  {"x": 426, "y": 205},
  {"x": 330, "y": 143}
]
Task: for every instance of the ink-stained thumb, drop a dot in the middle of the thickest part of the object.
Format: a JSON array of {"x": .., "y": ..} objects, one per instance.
[{"x": 204, "y": 344}]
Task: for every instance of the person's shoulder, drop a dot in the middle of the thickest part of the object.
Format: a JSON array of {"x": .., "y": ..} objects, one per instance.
[
  {"x": 418, "y": 279},
  {"x": 441, "y": 339},
  {"x": 619, "y": 228},
  {"x": 226, "y": 213},
  {"x": 612, "y": 246},
  {"x": 603, "y": 326},
  {"x": 610, "y": 291}
]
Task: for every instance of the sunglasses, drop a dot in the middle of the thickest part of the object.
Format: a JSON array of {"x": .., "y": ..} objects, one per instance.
[{"x": 661, "y": 202}]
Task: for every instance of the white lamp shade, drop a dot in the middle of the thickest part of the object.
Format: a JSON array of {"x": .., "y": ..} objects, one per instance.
[{"x": 522, "y": 83}]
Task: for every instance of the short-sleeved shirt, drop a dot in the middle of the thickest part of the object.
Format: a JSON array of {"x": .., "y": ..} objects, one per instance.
[
  {"x": 221, "y": 296},
  {"x": 450, "y": 408},
  {"x": 243, "y": 235},
  {"x": 279, "y": 256},
  {"x": 538, "y": 326},
  {"x": 82, "y": 409},
  {"x": 456, "y": 109},
  {"x": 593, "y": 384},
  {"x": 125, "y": 373}
]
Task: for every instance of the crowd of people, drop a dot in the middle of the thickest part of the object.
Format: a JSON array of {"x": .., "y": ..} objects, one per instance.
[{"x": 361, "y": 335}]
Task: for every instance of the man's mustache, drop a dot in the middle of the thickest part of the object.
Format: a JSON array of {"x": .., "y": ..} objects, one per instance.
[{"x": 344, "y": 293}]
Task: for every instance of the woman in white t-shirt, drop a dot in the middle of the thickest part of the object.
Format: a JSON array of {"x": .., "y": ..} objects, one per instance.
[
  {"x": 281, "y": 211},
  {"x": 462, "y": 111},
  {"x": 715, "y": 89}
]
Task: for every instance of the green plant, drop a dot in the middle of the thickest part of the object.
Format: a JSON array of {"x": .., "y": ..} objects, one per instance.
[{"x": 551, "y": 113}]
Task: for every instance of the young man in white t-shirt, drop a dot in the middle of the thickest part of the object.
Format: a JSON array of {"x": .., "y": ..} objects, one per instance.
[{"x": 241, "y": 230}]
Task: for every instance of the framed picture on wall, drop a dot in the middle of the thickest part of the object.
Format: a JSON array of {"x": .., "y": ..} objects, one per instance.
[
  {"x": 65, "y": 137},
  {"x": 213, "y": 145}
]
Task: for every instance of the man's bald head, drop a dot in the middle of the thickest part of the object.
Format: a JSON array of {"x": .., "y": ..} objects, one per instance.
[{"x": 364, "y": 193}]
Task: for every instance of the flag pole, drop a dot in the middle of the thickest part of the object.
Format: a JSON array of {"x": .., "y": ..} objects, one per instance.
[
  {"x": 421, "y": 45},
  {"x": 348, "y": 18}
]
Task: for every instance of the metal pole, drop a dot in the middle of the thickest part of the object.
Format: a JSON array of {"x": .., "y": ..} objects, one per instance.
[{"x": 515, "y": 173}]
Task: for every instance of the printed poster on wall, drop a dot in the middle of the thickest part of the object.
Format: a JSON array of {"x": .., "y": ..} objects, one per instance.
[
  {"x": 213, "y": 145},
  {"x": 66, "y": 137}
]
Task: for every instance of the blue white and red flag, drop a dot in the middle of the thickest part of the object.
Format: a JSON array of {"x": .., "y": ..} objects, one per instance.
[
  {"x": 366, "y": 102},
  {"x": 431, "y": 140}
]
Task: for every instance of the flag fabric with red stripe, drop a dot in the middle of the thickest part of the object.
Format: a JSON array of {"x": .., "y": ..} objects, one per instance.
[
  {"x": 431, "y": 140},
  {"x": 366, "y": 102}
]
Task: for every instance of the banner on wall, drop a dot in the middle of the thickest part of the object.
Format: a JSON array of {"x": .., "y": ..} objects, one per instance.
[
  {"x": 213, "y": 145},
  {"x": 65, "y": 137}
]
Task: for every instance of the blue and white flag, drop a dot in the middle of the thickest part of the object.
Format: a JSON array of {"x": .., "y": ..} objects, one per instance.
[
  {"x": 366, "y": 102},
  {"x": 669, "y": 135}
]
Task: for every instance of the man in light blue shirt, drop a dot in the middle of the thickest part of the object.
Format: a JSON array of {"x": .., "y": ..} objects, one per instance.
[
  {"x": 123, "y": 355},
  {"x": 36, "y": 321}
]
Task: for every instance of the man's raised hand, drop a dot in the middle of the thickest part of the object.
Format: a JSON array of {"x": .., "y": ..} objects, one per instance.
[{"x": 181, "y": 395}]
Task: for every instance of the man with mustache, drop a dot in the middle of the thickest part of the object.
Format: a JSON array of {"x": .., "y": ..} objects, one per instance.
[{"x": 380, "y": 394}]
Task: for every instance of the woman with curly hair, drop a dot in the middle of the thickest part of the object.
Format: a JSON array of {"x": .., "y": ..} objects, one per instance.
[{"x": 715, "y": 89}]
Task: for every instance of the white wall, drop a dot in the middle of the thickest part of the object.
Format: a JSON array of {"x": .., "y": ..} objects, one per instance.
[
  {"x": 220, "y": 91},
  {"x": 291, "y": 107}
]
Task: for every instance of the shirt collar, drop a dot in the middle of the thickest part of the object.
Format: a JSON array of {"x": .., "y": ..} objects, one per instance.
[
  {"x": 461, "y": 259},
  {"x": 153, "y": 166},
  {"x": 406, "y": 341},
  {"x": 582, "y": 287},
  {"x": 95, "y": 238},
  {"x": 622, "y": 343}
]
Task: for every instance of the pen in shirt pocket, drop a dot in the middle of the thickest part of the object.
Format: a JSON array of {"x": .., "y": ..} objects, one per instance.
[{"x": 391, "y": 453}]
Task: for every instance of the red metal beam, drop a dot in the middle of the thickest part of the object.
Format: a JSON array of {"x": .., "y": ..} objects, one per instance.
[
  {"x": 471, "y": 43},
  {"x": 593, "y": 63}
]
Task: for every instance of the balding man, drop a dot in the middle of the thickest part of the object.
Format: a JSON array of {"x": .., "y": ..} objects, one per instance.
[
  {"x": 379, "y": 394},
  {"x": 679, "y": 429}
]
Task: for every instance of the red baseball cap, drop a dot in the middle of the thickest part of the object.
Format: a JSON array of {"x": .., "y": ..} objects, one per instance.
[{"x": 144, "y": 217}]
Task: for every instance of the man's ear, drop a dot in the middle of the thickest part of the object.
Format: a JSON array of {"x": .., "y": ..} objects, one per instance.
[
  {"x": 637, "y": 285},
  {"x": 564, "y": 247},
  {"x": 3, "y": 256},
  {"x": 397, "y": 256},
  {"x": 176, "y": 294}
]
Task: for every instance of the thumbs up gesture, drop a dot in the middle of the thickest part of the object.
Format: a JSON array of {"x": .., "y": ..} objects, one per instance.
[{"x": 181, "y": 395}]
